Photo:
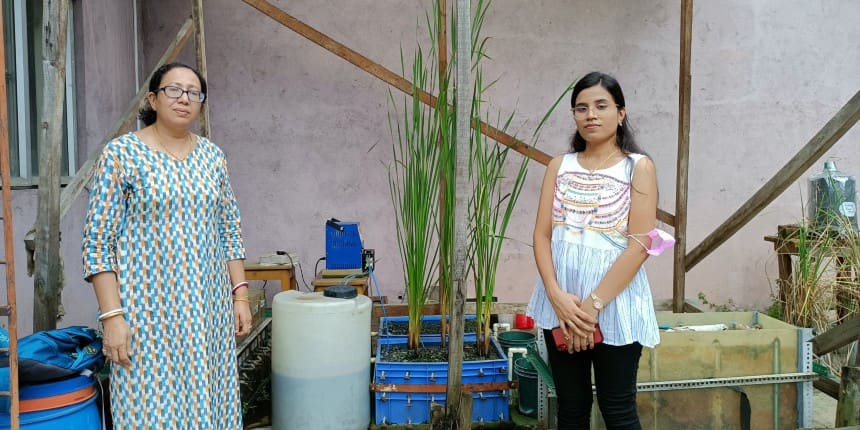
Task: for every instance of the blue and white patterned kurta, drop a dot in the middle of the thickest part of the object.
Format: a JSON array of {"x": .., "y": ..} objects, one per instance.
[
  {"x": 167, "y": 228},
  {"x": 589, "y": 218}
]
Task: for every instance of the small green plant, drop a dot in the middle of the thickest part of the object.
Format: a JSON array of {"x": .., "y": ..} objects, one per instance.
[
  {"x": 728, "y": 307},
  {"x": 774, "y": 310}
]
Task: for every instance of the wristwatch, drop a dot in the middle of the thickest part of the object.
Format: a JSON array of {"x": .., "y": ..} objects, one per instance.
[{"x": 596, "y": 302}]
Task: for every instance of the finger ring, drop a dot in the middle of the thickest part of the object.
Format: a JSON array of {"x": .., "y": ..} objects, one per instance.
[{"x": 566, "y": 338}]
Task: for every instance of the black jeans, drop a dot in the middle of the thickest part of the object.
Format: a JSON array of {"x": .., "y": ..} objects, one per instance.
[{"x": 615, "y": 369}]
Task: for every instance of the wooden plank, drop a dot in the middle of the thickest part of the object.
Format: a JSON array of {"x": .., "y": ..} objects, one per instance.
[
  {"x": 848, "y": 406},
  {"x": 827, "y": 386},
  {"x": 8, "y": 244},
  {"x": 460, "y": 210},
  {"x": 841, "y": 122},
  {"x": 46, "y": 278},
  {"x": 683, "y": 162},
  {"x": 438, "y": 388},
  {"x": 200, "y": 57},
  {"x": 836, "y": 337},
  {"x": 83, "y": 175},
  {"x": 464, "y": 412}
]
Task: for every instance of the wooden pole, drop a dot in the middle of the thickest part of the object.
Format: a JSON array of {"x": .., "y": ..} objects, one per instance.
[
  {"x": 83, "y": 175},
  {"x": 463, "y": 83},
  {"x": 46, "y": 297},
  {"x": 812, "y": 151},
  {"x": 9, "y": 245},
  {"x": 200, "y": 56},
  {"x": 444, "y": 287},
  {"x": 683, "y": 162},
  {"x": 848, "y": 405}
]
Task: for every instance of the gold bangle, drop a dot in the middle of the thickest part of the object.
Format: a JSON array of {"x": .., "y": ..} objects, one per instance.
[{"x": 241, "y": 299}]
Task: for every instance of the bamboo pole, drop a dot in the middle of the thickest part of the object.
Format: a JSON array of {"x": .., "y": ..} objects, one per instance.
[
  {"x": 841, "y": 122},
  {"x": 46, "y": 279},
  {"x": 402, "y": 84},
  {"x": 200, "y": 57},
  {"x": 683, "y": 162},
  {"x": 83, "y": 175},
  {"x": 8, "y": 245},
  {"x": 443, "y": 288},
  {"x": 463, "y": 83}
]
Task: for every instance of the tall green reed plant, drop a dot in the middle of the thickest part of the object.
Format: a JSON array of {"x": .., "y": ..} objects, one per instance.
[
  {"x": 493, "y": 202},
  {"x": 825, "y": 288},
  {"x": 809, "y": 294},
  {"x": 413, "y": 180},
  {"x": 423, "y": 189},
  {"x": 446, "y": 141}
]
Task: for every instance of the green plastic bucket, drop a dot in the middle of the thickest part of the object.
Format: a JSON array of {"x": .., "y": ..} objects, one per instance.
[
  {"x": 516, "y": 339},
  {"x": 526, "y": 376}
]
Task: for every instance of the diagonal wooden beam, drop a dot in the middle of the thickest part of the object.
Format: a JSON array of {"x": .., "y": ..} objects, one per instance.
[
  {"x": 814, "y": 149},
  {"x": 383, "y": 73},
  {"x": 401, "y": 83},
  {"x": 83, "y": 175},
  {"x": 836, "y": 337}
]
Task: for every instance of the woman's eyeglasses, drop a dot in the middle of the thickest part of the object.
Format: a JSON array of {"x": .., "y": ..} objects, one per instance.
[
  {"x": 581, "y": 111},
  {"x": 195, "y": 96}
]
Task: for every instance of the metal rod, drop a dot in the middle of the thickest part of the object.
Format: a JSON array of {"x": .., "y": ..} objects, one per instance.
[{"x": 687, "y": 384}]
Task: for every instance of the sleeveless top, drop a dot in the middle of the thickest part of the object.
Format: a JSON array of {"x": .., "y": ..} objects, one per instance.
[{"x": 589, "y": 217}]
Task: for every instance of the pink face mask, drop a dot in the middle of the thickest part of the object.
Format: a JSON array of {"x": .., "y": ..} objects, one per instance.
[{"x": 660, "y": 241}]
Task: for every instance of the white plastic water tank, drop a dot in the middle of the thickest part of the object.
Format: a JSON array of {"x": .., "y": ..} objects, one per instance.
[{"x": 320, "y": 361}]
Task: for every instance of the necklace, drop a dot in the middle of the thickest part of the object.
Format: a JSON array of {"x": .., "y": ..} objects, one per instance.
[
  {"x": 164, "y": 147},
  {"x": 592, "y": 210},
  {"x": 597, "y": 167}
]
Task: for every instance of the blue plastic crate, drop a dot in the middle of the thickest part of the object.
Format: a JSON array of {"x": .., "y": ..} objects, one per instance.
[
  {"x": 414, "y": 408},
  {"x": 343, "y": 248}
]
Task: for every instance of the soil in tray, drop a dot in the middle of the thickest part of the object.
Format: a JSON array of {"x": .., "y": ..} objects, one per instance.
[
  {"x": 432, "y": 354},
  {"x": 427, "y": 327}
]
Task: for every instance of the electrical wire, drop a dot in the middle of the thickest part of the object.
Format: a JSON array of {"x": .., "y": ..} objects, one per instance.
[
  {"x": 301, "y": 272},
  {"x": 317, "y": 265},
  {"x": 384, "y": 326}
]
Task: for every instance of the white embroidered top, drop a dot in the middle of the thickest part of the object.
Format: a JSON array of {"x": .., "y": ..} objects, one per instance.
[{"x": 589, "y": 217}]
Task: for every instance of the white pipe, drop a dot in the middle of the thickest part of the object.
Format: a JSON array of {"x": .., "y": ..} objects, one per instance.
[
  {"x": 511, "y": 352},
  {"x": 497, "y": 326}
]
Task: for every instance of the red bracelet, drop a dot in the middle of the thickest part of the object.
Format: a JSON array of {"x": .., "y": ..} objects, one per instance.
[{"x": 239, "y": 285}]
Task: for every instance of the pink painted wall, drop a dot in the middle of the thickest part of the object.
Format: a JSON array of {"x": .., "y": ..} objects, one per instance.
[{"x": 307, "y": 133}]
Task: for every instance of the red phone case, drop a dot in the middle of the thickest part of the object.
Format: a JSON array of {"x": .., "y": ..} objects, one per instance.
[{"x": 561, "y": 342}]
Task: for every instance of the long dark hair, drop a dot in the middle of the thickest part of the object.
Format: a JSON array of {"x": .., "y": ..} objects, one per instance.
[
  {"x": 146, "y": 114},
  {"x": 624, "y": 136}
]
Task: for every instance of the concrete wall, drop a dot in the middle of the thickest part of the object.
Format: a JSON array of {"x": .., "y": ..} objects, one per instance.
[{"x": 307, "y": 133}]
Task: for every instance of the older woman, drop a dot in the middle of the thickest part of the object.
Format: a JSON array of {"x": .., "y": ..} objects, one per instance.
[{"x": 163, "y": 248}]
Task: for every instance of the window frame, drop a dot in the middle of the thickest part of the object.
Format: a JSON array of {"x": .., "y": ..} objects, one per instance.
[{"x": 26, "y": 177}]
